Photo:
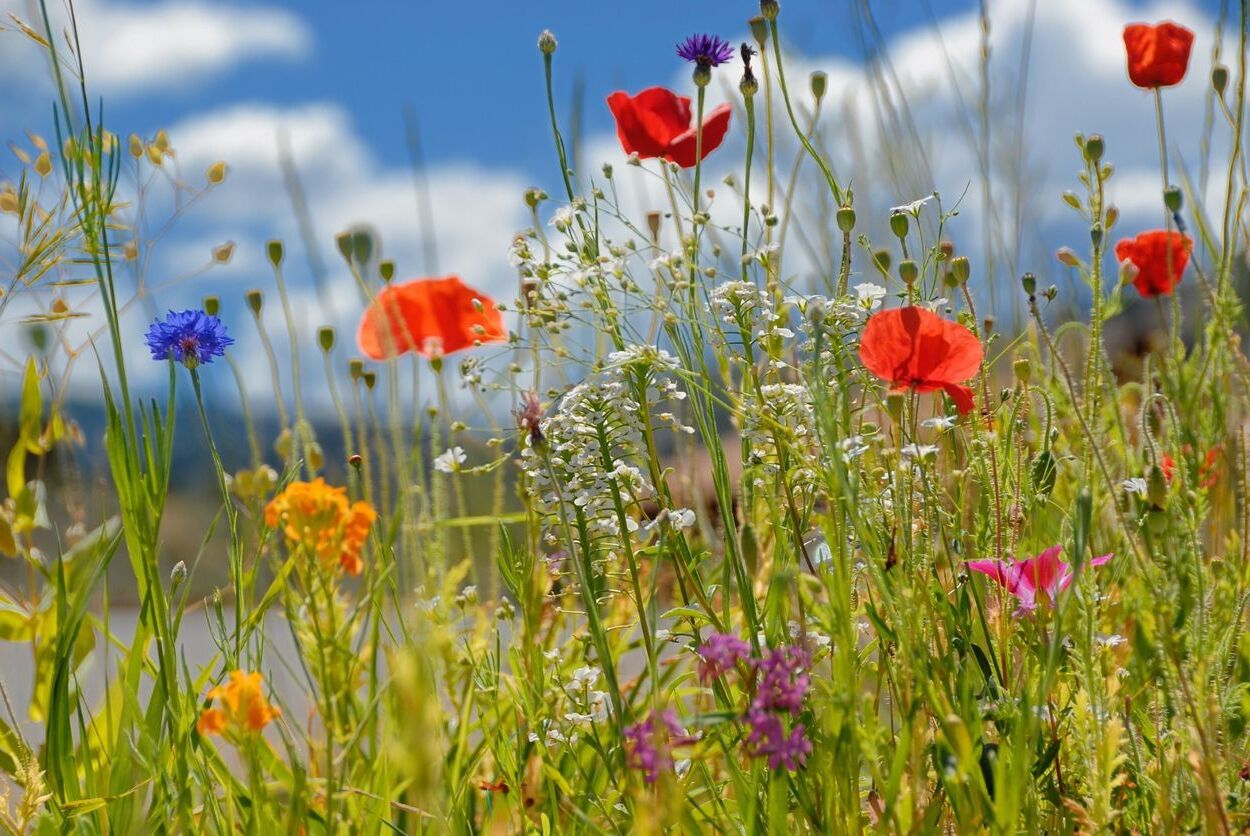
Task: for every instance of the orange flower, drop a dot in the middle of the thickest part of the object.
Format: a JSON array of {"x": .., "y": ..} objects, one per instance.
[
  {"x": 243, "y": 706},
  {"x": 319, "y": 518},
  {"x": 432, "y": 317},
  {"x": 912, "y": 348},
  {"x": 1158, "y": 56},
  {"x": 1159, "y": 257}
]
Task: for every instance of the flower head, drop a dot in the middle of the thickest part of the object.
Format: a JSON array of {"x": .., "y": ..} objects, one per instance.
[
  {"x": 242, "y": 706},
  {"x": 1159, "y": 257},
  {"x": 917, "y": 349},
  {"x": 705, "y": 50},
  {"x": 190, "y": 337},
  {"x": 657, "y": 123},
  {"x": 431, "y": 317},
  {"x": 317, "y": 517},
  {"x": 767, "y": 738},
  {"x": 1045, "y": 576},
  {"x": 783, "y": 680},
  {"x": 649, "y": 744},
  {"x": 719, "y": 653},
  {"x": 1158, "y": 56}
]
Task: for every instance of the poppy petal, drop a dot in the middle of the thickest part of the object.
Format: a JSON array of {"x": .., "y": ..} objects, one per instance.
[
  {"x": 647, "y": 122},
  {"x": 1158, "y": 56},
  {"x": 428, "y": 316},
  {"x": 682, "y": 149},
  {"x": 962, "y": 396},
  {"x": 1159, "y": 257}
]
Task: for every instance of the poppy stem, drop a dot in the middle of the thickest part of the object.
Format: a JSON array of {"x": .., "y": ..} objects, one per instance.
[
  {"x": 785, "y": 95},
  {"x": 749, "y": 104}
]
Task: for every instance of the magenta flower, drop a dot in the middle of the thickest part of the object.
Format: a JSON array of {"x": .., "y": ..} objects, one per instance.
[
  {"x": 768, "y": 739},
  {"x": 783, "y": 680},
  {"x": 648, "y": 744},
  {"x": 719, "y": 653},
  {"x": 1044, "y": 576}
]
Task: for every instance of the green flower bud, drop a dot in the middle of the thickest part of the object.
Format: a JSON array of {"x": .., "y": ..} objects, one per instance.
[
  {"x": 846, "y": 219},
  {"x": 908, "y": 271},
  {"x": 325, "y": 336},
  {"x": 546, "y": 42},
  {"x": 1157, "y": 487},
  {"x": 882, "y": 259},
  {"x": 1029, "y": 282},
  {"x": 355, "y": 368},
  {"x": 1219, "y": 78},
  {"x": 819, "y": 81},
  {"x": 769, "y": 9},
  {"x": 255, "y": 300},
  {"x": 212, "y": 305},
  {"x": 344, "y": 243},
  {"x": 274, "y": 250},
  {"x": 899, "y": 225},
  {"x": 1094, "y": 146},
  {"x": 370, "y": 379},
  {"x": 1095, "y": 235},
  {"x": 894, "y": 402},
  {"x": 961, "y": 268},
  {"x": 1023, "y": 368},
  {"x": 1173, "y": 199},
  {"x": 386, "y": 270},
  {"x": 759, "y": 31}
]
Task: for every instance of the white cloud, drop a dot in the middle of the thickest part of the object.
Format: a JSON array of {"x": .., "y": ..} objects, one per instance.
[{"x": 133, "y": 48}]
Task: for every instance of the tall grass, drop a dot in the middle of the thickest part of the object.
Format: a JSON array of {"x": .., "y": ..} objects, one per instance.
[{"x": 716, "y": 577}]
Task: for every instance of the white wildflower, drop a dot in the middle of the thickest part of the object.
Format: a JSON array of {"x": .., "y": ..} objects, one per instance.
[{"x": 450, "y": 460}]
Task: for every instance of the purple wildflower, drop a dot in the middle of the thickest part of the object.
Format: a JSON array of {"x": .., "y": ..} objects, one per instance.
[
  {"x": 190, "y": 337},
  {"x": 719, "y": 653},
  {"x": 705, "y": 50},
  {"x": 783, "y": 680},
  {"x": 768, "y": 739},
  {"x": 649, "y": 743}
]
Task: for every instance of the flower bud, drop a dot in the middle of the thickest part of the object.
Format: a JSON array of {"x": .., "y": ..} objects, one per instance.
[
  {"x": 355, "y": 368},
  {"x": 908, "y": 271},
  {"x": 546, "y": 42},
  {"x": 136, "y": 146},
  {"x": 702, "y": 75},
  {"x": 212, "y": 305},
  {"x": 1173, "y": 199},
  {"x": 1066, "y": 256},
  {"x": 1113, "y": 215},
  {"x": 882, "y": 259},
  {"x": 1051, "y": 292},
  {"x": 846, "y": 219},
  {"x": 759, "y": 30},
  {"x": 1094, "y": 146},
  {"x": 819, "y": 81},
  {"x": 216, "y": 173},
  {"x": 178, "y": 574},
  {"x": 1157, "y": 487},
  {"x": 899, "y": 224},
  {"x": 894, "y": 405},
  {"x": 255, "y": 300},
  {"x": 325, "y": 336},
  {"x": 355, "y": 460},
  {"x": 1029, "y": 282},
  {"x": 961, "y": 268},
  {"x": 223, "y": 252},
  {"x": 370, "y": 379},
  {"x": 1095, "y": 235},
  {"x": 274, "y": 250},
  {"x": 1219, "y": 78},
  {"x": 1023, "y": 369},
  {"x": 988, "y": 325},
  {"x": 749, "y": 86},
  {"x": 769, "y": 9}
]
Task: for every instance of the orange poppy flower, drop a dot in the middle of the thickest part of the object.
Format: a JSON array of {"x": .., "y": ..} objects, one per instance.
[
  {"x": 432, "y": 317},
  {"x": 1158, "y": 56},
  {"x": 913, "y": 348},
  {"x": 1149, "y": 252},
  {"x": 243, "y": 706},
  {"x": 319, "y": 518}
]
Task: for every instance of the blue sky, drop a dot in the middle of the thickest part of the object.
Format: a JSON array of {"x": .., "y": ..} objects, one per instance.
[{"x": 227, "y": 79}]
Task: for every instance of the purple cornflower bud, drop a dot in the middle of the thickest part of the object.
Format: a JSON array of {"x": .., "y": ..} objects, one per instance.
[
  {"x": 189, "y": 337},
  {"x": 719, "y": 653},
  {"x": 649, "y": 744},
  {"x": 783, "y": 680}
]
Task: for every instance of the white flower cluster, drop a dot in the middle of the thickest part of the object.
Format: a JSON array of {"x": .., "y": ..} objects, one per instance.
[
  {"x": 586, "y": 471},
  {"x": 781, "y": 425}
]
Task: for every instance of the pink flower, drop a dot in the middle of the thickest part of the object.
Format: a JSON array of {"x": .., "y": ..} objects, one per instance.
[{"x": 1045, "y": 576}]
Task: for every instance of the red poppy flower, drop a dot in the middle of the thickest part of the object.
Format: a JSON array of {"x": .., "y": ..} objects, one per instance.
[
  {"x": 428, "y": 316},
  {"x": 1159, "y": 257},
  {"x": 1157, "y": 55},
  {"x": 657, "y": 123},
  {"x": 912, "y": 348}
]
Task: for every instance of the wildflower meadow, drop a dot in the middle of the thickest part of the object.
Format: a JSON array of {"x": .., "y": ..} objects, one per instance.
[{"x": 748, "y": 508}]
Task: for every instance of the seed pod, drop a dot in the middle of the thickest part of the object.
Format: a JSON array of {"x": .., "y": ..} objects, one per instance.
[
  {"x": 846, "y": 219},
  {"x": 325, "y": 337},
  {"x": 899, "y": 224}
]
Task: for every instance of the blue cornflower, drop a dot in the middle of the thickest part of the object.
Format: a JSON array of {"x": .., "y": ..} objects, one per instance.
[
  {"x": 705, "y": 50},
  {"x": 190, "y": 337}
]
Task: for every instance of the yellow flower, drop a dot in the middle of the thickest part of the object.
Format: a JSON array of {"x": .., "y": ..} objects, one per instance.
[
  {"x": 319, "y": 518},
  {"x": 242, "y": 706}
]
